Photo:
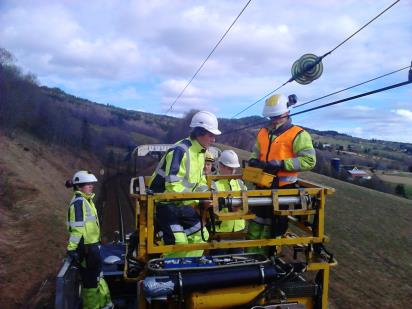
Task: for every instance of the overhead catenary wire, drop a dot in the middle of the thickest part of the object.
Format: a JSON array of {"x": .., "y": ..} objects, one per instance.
[
  {"x": 351, "y": 87},
  {"x": 319, "y": 59},
  {"x": 353, "y": 97},
  {"x": 208, "y": 56},
  {"x": 265, "y": 121}
]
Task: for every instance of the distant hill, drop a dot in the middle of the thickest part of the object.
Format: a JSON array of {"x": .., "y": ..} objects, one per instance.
[{"x": 109, "y": 132}]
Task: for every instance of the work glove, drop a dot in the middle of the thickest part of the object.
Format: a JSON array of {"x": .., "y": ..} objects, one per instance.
[
  {"x": 257, "y": 163},
  {"x": 74, "y": 255},
  {"x": 205, "y": 204},
  {"x": 274, "y": 166}
]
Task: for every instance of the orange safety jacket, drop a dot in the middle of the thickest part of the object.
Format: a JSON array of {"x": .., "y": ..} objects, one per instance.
[{"x": 280, "y": 148}]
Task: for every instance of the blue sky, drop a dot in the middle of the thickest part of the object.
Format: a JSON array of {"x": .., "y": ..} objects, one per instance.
[{"x": 140, "y": 54}]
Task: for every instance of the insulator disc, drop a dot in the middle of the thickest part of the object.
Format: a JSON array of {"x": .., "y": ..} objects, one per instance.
[{"x": 307, "y": 68}]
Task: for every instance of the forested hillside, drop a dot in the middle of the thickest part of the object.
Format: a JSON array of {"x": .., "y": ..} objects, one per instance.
[
  {"x": 111, "y": 133},
  {"x": 60, "y": 118}
]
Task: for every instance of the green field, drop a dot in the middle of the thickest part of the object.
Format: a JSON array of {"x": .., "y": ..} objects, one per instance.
[
  {"x": 370, "y": 235},
  {"x": 396, "y": 178},
  {"x": 371, "y": 238}
]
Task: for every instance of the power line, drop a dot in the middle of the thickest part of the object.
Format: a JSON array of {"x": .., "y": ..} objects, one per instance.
[
  {"x": 353, "y": 97},
  {"x": 364, "y": 26},
  {"x": 354, "y": 86},
  {"x": 208, "y": 56},
  {"x": 319, "y": 59},
  {"x": 254, "y": 103},
  {"x": 261, "y": 122}
]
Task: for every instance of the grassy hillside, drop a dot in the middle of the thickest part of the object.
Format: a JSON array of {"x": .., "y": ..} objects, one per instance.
[{"x": 371, "y": 238}]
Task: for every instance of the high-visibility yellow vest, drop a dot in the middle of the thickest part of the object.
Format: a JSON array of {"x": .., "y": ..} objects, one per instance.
[
  {"x": 229, "y": 185},
  {"x": 82, "y": 221},
  {"x": 181, "y": 170}
]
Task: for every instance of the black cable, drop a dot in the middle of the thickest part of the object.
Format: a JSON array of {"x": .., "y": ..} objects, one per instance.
[
  {"x": 353, "y": 97},
  {"x": 318, "y": 60},
  {"x": 336, "y": 92},
  {"x": 364, "y": 26},
  {"x": 260, "y": 122},
  {"x": 254, "y": 103},
  {"x": 207, "y": 58}
]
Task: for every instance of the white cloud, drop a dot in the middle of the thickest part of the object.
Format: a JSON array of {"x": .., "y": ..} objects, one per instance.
[
  {"x": 404, "y": 113},
  {"x": 98, "y": 49},
  {"x": 363, "y": 108}
]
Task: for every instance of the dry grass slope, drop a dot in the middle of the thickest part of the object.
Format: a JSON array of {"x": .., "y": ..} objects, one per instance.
[{"x": 33, "y": 205}]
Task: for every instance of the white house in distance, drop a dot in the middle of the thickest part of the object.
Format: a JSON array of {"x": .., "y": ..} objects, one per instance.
[{"x": 356, "y": 173}]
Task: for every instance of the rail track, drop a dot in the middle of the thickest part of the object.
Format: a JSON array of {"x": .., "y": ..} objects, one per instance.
[{"x": 117, "y": 211}]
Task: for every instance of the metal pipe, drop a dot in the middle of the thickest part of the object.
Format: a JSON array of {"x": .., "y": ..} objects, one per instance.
[
  {"x": 255, "y": 201},
  {"x": 263, "y": 201}
]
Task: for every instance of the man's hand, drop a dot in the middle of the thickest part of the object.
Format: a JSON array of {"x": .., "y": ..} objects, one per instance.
[
  {"x": 74, "y": 255},
  {"x": 274, "y": 166},
  {"x": 257, "y": 163}
]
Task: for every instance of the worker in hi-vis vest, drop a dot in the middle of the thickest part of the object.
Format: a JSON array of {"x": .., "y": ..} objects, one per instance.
[
  {"x": 228, "y": 163},
  {"x": 181, "y": 170},
  {"x": 209, "y": 168},
  {"x": 282, "y": 149},
  {"x": 84, "y": 242}
]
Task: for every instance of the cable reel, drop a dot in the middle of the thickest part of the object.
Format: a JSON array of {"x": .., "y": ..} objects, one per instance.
[{"x": 307, "y": 68}]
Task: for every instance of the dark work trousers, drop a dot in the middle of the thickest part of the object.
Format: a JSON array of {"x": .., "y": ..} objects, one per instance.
[
  {"x": 279, "y": 223},
  {"x": 91, "y": 272},
  {"x": 171, "y": 218}
]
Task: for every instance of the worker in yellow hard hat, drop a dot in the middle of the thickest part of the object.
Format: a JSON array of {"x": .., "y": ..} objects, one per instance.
[
  {"x": 209, "y": 163},
  {"x": 282, "y": 149}
]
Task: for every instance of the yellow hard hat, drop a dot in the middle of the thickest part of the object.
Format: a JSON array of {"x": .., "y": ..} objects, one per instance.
[
  {"x": 275, "y": 105},
  {"x": 209, "y": 156}
]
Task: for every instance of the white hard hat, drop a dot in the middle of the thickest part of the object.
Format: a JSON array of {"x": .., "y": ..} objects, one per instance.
[
  {"x": 229, "y": 158},
  {"x": 83, "y": 177},
  {"x": 205, "y": 120},
  {"x": 275, "y": 105}
]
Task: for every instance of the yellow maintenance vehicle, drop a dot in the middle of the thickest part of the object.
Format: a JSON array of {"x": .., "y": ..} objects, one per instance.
[{"x": 295, "y": 275}]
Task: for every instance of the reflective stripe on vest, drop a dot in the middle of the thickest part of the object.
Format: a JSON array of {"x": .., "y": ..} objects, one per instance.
[
  {"x": 281, "y": 148},
  {"x": 89, "y": 216},
  {"x": 173, "y": 178},
  {"x": 75, "y": 239},
  {"x": 75, "y": 224},
  {"x": 193, "y": 229},
  {"x": 88, "y": 227}
]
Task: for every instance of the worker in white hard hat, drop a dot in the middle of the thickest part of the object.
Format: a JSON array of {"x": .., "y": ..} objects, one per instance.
[
  {"x": 282, "y": 149},
  {"x": 228, "y": 163},
  {"x": 181, "y": 170},
  {"x": 84, "y": 242},
  {"x": 209, "y": 163}
]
